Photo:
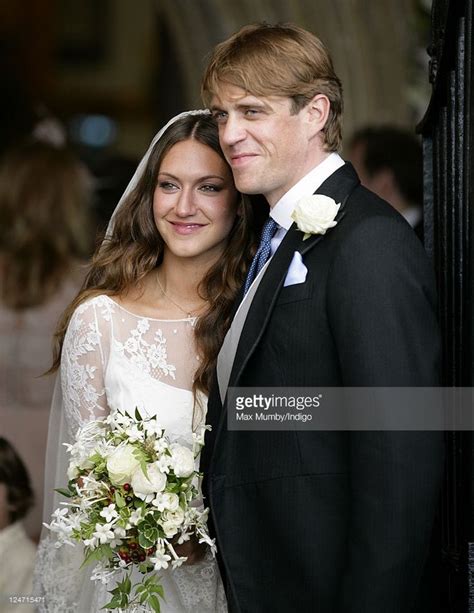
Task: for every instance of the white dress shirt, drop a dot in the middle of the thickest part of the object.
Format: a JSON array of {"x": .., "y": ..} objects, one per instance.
[
  {"x": 282, "y": 210},
  {"x": 412, "y": 214}
]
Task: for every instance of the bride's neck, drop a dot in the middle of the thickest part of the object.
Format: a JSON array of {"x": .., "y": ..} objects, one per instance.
[
  {"x": 180, "y": 278},
  {"x": 169, "y": 291},
  {"x": 177, "y": 281}
]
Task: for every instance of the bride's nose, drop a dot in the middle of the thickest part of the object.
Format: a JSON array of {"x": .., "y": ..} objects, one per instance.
[{"x": 186, "y": 204}]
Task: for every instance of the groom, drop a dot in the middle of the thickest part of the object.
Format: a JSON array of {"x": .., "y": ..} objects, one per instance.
[{"x": 331, "y": 522}]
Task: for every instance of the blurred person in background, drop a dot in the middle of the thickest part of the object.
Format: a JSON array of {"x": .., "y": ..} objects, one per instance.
[
  {"x": 389, "y": 162},
  {"x": 17, "y": 552},
  {"x": 23, "y": 114},
  {"x": 44, "y": 235}
]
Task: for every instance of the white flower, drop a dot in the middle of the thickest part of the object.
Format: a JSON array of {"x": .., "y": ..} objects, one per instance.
[
  {"x": 198, "y": 436},
  {"x": 117, "y": 418},
  {"x": 103, "y": 533},
  {"x": 146, "y": 487},
  {"x": 135, "y": 517},
  {"x": 183, "y": 537},
  {"x": 102, "y": 573},
  {"x": 166, "y": 502},
  {"x": 315, "y": 214},
  {"x": 151, "y": 427},
  {"x": 177, "y": 515},
  {"x": 75, "y": 467},
  {"x": 92, "y": 542},
  {"x": 182, "y": 460},
  {"x": 169, "y": 528},
  {"x": 171, "y": 501},
  {"x": 134, "y": 433},
  {"x": 160, "y": 445},
  {"x": 164, "y": 463},
  {"x": 60, "y": 513},
  {"x": 177, "y": 562},
  {"x": 119, "y": 532},
  {"x": 160, "y": 560},
  {"x": 109, "y": 513},
  {"x": 121, "y": 464},
  {"x": 172, "y": 521}
]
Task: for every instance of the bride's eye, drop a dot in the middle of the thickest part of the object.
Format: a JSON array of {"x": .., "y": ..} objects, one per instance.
[
  {"x": 167, "y": 186},
  {"x": 209, "y": 187}
]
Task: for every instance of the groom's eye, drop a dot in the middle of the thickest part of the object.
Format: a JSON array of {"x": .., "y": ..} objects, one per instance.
[
  {"x": 251, "y": 112},
  {"x": 219, "y": 116}
]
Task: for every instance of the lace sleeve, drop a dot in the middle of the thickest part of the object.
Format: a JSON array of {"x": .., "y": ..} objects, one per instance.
[
  {"x": 83, "y": 363},
  {"x": 60, "y": 581}
]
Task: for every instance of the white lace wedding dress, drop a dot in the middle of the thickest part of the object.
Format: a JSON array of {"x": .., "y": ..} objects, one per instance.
[{"x": 114, "y": 359}]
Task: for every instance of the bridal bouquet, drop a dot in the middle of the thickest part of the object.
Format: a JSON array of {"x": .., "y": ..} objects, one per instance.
[{"x": 130, "y": 500}]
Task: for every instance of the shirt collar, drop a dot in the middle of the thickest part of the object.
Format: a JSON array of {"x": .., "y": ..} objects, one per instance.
[
  {"x": 412, "y": 214},
  {"x": 283, "y": 209}
]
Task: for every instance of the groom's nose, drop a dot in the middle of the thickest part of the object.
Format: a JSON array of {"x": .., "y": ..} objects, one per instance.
[{"x": 232, "y": 131}]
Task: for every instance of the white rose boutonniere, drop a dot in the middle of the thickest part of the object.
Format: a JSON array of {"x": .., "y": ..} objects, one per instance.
[{"x": 315, "y": 214}]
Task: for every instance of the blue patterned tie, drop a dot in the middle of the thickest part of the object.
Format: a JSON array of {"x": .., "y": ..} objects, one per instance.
[{"x": 263, "y": 252}]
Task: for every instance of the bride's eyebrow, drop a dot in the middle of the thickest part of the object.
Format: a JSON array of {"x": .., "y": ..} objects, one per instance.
[
  {"x": 204, "y": 178},
  {"x": 167, "y": 174}
]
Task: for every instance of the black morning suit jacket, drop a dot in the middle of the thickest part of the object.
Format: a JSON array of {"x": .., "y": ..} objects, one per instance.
[{"x": 331, "y": 522}]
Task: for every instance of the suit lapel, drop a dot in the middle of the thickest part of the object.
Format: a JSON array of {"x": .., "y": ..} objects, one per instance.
[{"x": 338, "y": 186}]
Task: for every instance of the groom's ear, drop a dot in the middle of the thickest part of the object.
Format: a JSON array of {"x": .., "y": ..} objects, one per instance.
[{"x": 317, "y": 113}]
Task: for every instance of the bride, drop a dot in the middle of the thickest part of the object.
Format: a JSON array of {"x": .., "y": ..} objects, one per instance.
[{"x": 145, "y": 332}]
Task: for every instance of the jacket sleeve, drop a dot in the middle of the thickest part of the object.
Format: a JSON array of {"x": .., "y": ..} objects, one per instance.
[{"x": 382, "y": 307}]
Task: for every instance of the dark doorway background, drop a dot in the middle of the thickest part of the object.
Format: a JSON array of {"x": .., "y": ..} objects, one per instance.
[{"x": 448, "y": 143}]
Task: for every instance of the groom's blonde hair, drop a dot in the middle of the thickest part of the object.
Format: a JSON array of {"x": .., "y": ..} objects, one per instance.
[{"x": 282, "y": 60}]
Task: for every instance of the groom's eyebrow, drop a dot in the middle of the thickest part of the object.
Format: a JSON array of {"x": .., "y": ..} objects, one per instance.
[{"x": 246, "y": 104}]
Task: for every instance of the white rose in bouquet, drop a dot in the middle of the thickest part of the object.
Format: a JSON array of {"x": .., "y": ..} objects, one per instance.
[
  {"x": 182, "y": 460},
  {"x": 166, "y": 502},
  {"x": 74, "y": 468},
  {"x": 121, "y": 464},
  {"x": 169, "y": 528},
  {"x": 172, "y": 522},
  {"x": 147, "y": 487},
  {"x": 171, "y": 501}
]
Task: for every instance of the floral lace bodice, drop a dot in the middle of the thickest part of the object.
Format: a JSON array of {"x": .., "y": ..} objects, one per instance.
[{"x": 112, "y": 359}]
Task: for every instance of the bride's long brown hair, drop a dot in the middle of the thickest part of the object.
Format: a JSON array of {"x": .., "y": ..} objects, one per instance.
[{"x": 134, "y": 248}]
